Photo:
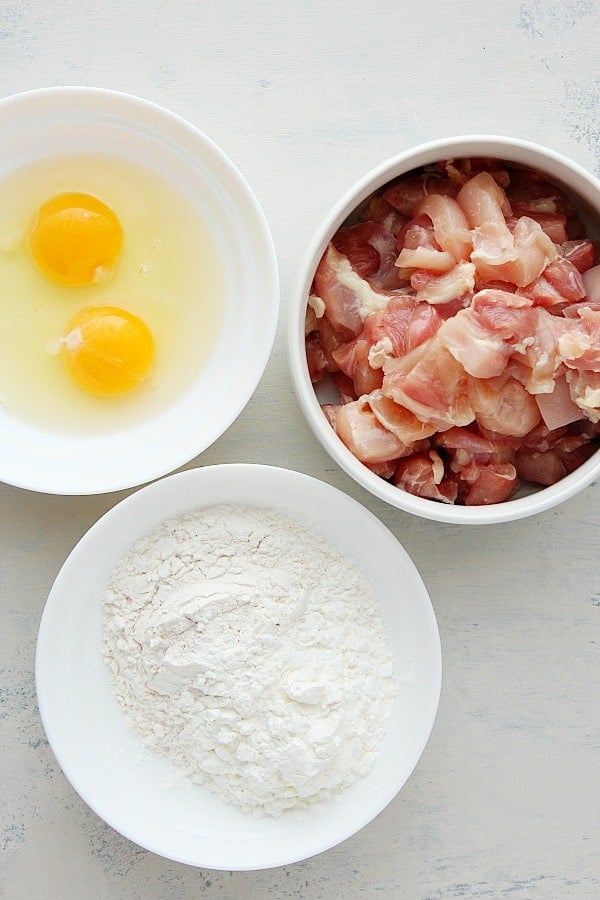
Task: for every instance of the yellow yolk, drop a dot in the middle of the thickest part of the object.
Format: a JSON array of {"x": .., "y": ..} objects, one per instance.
[
  {"x": 107, "y": 351},
  {"x": 75, "y": 239}
]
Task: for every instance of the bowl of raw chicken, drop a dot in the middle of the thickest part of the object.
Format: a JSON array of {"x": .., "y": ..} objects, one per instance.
[{"x": 444, "y": 334}]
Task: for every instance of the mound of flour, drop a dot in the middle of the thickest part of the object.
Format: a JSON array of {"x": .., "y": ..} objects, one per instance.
[{"x": 249, "y": 652}]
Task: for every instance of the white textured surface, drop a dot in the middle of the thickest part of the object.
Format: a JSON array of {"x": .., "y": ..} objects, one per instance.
[{"x": 305, "y": 98}]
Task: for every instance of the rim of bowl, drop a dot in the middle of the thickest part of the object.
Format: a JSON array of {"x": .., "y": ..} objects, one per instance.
[
  {"x": 527, "y": 152},
  {"x": 152, "y": 470}
]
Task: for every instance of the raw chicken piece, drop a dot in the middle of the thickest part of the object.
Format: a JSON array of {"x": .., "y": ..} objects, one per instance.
[
  {"x": 584, "y": 388},
  {"x": 431, "y": 384},
  {"x": 579, "y": 346},
  {"x": 404, "y": 194},
  {"x": 454, "y": 284},
  {"x": 552, "y": 223},
  {"x": 371, "y": 250},
  {"x": 581, "y": 253},
  {"x": 363, "y": 434},
  {"x": 521, "y": 263},
  {"x": 348, "y": 298},
  {"x": 450, "y": 224},
  {"x": 398, "y": 420},
  {"x": 342, "y": 303},
  {"x": 399, "y": 328},
  {"x": 558, "y": 409},
  {"x": 320, "y": 346},
  {"x": 483, "y": 202},
  {"x": 481, "y": 352},
  {"x": 504, "y": 406},
  {"x": 425, "y": 258},
  {"x": 495, "y": 483},
  {"x": 467, "y": 339},
  {"x": 353, "y": 360},
  {"x": 379, "y": 210},
  {"x": 591, "y": 280},
  {"x": 420, "y": 475}
]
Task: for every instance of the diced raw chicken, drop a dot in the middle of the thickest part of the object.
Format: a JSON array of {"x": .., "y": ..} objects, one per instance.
[
  {"x": 419, "y": 475},
  {"x": 481, "y": 352},
  {"x": 584, "y": 388},
  {"x": 399, "y": 420},
  {"x": 431, "y": 384},
  {"x": 403, "y": 325},
  {"x": 404, "y": 194},
  {"x": 450, "y": 224},
  {"x": 495, "y": 483},
  {"x": 371, "y": 249},
  {"x": 483, "y": 201},
  {"x": 552, "y": 223},
  {"x": 418, "y": 232},
  {"x": 379, "y": 210},
  {"x": 454, "y": 284},
  {"x": 558, "y": 409},
  {"x": 363, "y": 434},
  {"x": 320, "y": 346},
  {"x": 581, "y": 253},
  {"x": 504, "y": 406},
  {"x": 353, "y": 360},
  {"x": 591, "y": 280},
  {"x": 342, "y": 303},
  {"x": 531, "y": 252},
  {"x": 460, "y": 323},
  {"x": 425, "y": 258},
  {"x": 579, "y": 345},
  {"x": 348, "y": 298}
]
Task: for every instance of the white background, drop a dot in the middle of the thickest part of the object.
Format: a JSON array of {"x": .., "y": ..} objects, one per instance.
[{"x": 305, "y": 98}]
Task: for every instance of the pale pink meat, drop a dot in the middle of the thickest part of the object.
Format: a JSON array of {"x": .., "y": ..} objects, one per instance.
[
  {"x": 495, "y": 483},
  {"x": 450, "y": 224},
  {"x": 425, "y": 258},
  {"x": 558, "y": 409},
  {"x": 353, "y": 360},
  {"x": 504, "y": 406},
  {"x": 481, "y": 352},
  {"x": 461, "y": 329},
  {"x": 483, "y": 201},
  {"x": 363, "y": 434},
  {"x": 342, "y": 304},
  {"x": 460, "y": 280},
  {"x": 419, "y": 475},
  {"x": 431, "y": 384},
  {"x": 399, "y": 420},
  {"x": 591, "y": 281}
]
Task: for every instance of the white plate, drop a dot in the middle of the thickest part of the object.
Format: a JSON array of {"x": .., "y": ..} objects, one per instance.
[{"x": 126, "y": 784}]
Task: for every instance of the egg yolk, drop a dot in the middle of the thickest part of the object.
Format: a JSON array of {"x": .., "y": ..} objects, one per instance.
[
  {"x": 75, "y": 239},
  {"x": 107, "y": 351}
]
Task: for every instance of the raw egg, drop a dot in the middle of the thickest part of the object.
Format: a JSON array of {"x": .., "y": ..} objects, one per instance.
[
  {"x": 75, "y": 239},
  {"x": 111, "y": 294},
  {"x": 107, "y": 351}
]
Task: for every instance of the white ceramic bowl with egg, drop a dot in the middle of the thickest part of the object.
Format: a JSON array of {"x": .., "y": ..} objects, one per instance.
[
  {"x": 144, "y": 796},
  {"x": 204, "y": 383},
  {"x": 583, "y": 190}
]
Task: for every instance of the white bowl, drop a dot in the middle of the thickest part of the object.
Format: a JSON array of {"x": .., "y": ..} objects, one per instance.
[
  {"x": 56, "y": 121},
  {"x": 584, "y": 191},
  {"x": 123, "y": 782}
]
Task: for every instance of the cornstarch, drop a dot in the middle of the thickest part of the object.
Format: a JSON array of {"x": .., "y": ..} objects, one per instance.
[{"x": 249, "y": 652}]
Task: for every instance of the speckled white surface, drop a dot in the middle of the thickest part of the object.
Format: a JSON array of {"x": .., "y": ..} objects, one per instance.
[{"x": 506, "y": 799}]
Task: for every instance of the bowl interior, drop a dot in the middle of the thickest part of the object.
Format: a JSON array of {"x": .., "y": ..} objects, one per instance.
[
  {"x": 136, "y": 792},
  {"x": 55, "y": 122},
  {"x": 584, "y": 191}
]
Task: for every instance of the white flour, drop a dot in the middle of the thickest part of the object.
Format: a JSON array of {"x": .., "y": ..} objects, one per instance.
[{"x": 249, "y": 652}]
